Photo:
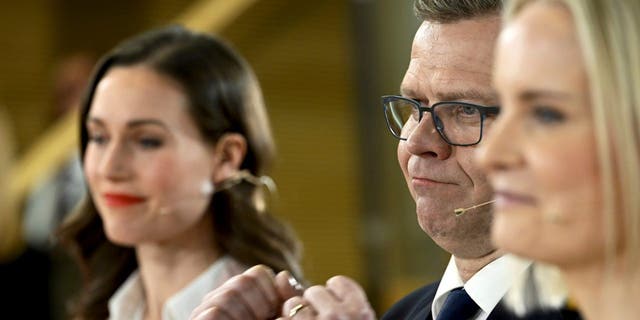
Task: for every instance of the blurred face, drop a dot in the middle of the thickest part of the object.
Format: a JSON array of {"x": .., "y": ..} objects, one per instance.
[
  {"x": 449, "y": 62},
  {"x": 145, "y": 161},
  {"x": 541, "y": 153}
]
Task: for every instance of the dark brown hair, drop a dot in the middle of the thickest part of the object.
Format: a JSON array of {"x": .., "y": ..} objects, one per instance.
[
  {"x": 447, "y": 11},
  {"x": 224, "y": 97}
]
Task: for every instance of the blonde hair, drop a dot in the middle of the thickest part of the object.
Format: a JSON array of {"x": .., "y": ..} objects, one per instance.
[{"x": 610, "y": 42}]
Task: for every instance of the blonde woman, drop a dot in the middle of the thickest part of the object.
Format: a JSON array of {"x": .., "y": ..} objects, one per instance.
[{"x": 563, "y": 156}]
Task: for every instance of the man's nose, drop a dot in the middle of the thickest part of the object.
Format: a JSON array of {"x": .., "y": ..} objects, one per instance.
[{"x": 426, "y": 140}]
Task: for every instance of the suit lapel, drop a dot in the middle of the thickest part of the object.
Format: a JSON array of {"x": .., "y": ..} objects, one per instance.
[{"x": 424, "y": 312}]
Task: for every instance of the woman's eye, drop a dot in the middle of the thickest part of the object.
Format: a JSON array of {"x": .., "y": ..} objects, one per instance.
[
  {"x": 150, "y": 143},
  {"x": 548, "y": 115},
  {"x": 98, "y": 139}
]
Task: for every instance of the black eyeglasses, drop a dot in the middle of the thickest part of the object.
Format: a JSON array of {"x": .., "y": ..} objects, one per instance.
[{"x": 458, "y": 123}]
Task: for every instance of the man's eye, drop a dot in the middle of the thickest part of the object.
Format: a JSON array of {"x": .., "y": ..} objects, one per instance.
[{"x": 467, "y": 110}]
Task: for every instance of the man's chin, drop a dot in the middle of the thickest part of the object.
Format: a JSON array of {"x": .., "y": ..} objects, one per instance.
[
  {"x": 453, "y": 238},
  {"x": 437, "y": 221},
  {"x": 437, "y": 226}
]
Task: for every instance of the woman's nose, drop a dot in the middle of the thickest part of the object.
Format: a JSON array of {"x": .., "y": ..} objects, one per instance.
[
  {"x": 498, "y": 148},
  {"x": 115, "y": 163}
]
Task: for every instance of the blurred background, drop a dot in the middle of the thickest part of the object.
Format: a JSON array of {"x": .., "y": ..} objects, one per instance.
[{"x": 323, "y": 66}]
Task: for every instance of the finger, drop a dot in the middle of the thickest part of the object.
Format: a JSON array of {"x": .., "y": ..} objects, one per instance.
[
  {"x": 250, "y": 294},
  {"x": 321, "y": 299},
  {"x": 215, "y": 297},
  {"x": 345, "y": 289},
  {"x": 240, "y": 297},
  {"x": 287, "y": 286},
  {"x": 352, "y": 297},
  {"x": 223, "y": 304},
  {"x": 213, "y": 313},
  {"x": 266, "y": 281},
  {"x": 303, "y": 310}
]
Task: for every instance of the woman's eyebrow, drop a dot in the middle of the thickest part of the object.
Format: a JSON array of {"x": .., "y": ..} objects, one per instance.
[{"x": 534, "y": 94}]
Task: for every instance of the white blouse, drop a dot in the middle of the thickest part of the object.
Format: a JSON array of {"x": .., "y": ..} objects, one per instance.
[{"x": 128, "y": 302}]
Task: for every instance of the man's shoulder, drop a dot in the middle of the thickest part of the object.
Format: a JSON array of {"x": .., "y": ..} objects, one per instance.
[
  {"x": 501, "y": 312},
  {"x": 416, "y": 304}
]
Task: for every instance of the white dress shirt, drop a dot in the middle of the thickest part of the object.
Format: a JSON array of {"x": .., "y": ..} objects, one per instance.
[
  {"x": 128, "y": 302},
  {"x": 487, "y": 287}
]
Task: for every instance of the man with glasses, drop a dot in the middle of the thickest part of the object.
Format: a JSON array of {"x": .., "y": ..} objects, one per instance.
[
  {"x": 458, "y": 123},
  {"x": 445, "y": 107}
]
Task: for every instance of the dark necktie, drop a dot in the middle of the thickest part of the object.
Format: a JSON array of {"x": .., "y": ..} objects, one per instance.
[{"x": 458, "y": 306}]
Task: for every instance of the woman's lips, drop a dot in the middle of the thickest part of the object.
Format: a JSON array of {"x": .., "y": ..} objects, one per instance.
[
  {"x": 121, "y": 200},
  {"x": 506, "y": 199}
]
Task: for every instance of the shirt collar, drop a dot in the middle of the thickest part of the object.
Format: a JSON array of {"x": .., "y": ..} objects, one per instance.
[
  {"x": 129, "y": 301},
  {"x": 486, "y": 287}
]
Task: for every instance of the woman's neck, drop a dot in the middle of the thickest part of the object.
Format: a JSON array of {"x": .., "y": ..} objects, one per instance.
[
  {"x": 603, "y": 293},
  {"x": 166, "y": 268}
]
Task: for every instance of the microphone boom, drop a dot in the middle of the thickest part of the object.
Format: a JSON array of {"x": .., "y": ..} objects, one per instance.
[{"x": 461, "y": 211}]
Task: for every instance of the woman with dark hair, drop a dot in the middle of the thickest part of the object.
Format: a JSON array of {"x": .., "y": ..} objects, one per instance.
[{"x": 174, "y": 140}]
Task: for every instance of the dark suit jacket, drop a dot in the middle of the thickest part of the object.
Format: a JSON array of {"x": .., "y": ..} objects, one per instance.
[{"x": 417, "y": 306}]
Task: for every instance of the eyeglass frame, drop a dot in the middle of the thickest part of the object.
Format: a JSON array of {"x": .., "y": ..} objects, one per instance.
[{"x": 484, "y": 111}]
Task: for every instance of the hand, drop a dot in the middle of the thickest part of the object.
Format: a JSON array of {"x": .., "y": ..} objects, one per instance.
[
  {"x": 255, "y": 294},
  {"x": 342, "y": 298}
]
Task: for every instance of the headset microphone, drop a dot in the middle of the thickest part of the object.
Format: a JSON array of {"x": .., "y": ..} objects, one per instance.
[{"x": 461, "y": 211}]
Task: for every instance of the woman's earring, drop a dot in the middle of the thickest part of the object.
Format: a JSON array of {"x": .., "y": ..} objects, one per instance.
[{"x": 207, "y": 188}]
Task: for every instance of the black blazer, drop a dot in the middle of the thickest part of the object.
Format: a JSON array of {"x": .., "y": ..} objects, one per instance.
[{"x": 417, "y": 306}]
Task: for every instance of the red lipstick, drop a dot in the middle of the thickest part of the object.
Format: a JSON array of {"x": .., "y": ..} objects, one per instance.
[{"x": 121, "y": 200}]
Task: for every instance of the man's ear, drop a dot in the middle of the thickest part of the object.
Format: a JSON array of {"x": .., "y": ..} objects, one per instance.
[{"x": 230, "y": 151}]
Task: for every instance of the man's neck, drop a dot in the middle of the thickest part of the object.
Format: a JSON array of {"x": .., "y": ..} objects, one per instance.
[{"x": 467, "y": 267}]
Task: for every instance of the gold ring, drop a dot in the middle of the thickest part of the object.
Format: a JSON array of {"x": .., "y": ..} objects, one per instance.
[{"x": 296, "y": 309}]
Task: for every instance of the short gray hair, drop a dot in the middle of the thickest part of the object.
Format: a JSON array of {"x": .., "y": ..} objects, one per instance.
[{"x": 446, "y": 11}]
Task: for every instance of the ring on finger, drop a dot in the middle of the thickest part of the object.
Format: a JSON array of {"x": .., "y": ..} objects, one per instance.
[{"x": 296, "y": 309}]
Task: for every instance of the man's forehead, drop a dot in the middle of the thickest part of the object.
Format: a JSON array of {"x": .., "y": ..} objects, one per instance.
[
  {"x": 448, "y": 81},
  {"x": 452, "y": 61},
  {"x": 482, "y": 95},
  {"x": 468, "y": 42}
]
